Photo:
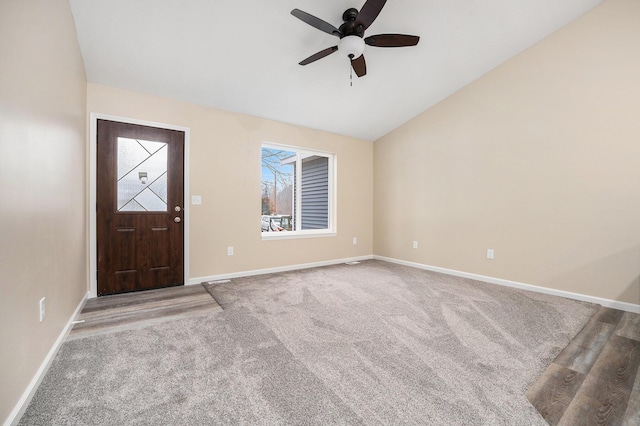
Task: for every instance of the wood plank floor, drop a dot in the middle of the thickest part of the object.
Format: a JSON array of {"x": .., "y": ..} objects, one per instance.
[
  {"x": 595, "y": 380},
  {"x": 132, "y": 310}
]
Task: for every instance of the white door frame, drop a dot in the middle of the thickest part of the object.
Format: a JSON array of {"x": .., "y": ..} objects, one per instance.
[{"x": 93, "y": 149}]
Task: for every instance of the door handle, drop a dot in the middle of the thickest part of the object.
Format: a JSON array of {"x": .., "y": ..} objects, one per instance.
[
  {"x": 177, "y": 208},
  {"x": 177, "y": 220}
]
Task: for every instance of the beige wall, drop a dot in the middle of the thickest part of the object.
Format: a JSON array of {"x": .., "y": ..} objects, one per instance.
[
  {"x": 225, "y": 170},
  {"x": 42, "y": 184},
  {"x": 538, "y": 160}
]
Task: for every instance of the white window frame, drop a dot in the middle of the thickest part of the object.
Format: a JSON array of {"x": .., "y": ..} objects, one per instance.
[{"x": 302, "y": 153}]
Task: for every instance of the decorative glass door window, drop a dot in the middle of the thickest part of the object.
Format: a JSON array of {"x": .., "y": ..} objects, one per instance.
[{"x": 142, "y": 176}]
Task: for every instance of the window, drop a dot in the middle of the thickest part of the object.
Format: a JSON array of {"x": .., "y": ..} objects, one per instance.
[
  {"x": 297, "y": 192},
  {"x": 142, "y": 175}
]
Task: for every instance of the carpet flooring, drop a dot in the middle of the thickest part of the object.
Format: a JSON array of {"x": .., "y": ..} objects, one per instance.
[{"x": 373, "y": 343}]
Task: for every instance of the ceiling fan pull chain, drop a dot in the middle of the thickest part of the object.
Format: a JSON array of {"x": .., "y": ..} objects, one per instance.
[{"x": 350, "y": 71}]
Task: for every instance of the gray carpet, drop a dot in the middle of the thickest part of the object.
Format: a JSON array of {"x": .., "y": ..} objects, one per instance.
[{"x": 374, "y": 343}]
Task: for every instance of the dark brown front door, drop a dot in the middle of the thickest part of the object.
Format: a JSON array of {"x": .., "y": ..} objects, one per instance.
[{"x": 140, "y": 192}]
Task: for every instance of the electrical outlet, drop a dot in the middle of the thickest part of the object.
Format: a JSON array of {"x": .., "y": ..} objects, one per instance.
[
  {"x": 355, "y": 240},
  {"x": 415, "y": 244},
  {"x": 196, "y": 200},
  {"x": 42, "y": 309},
  {"x": 229, "y": 251},
  {"x": 489, "y": 254}
]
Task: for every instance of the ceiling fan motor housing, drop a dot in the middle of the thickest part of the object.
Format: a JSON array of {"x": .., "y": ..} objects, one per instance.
[
  {"x": 350, "y": 14},
  {"x": 350, "y": 26}
]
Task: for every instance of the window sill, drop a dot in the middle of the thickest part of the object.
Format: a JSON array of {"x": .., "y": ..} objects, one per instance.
[{"x": 294, "y": 235}]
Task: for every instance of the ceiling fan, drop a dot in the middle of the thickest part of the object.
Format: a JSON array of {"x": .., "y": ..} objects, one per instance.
[{"x": 351, "y": 34}]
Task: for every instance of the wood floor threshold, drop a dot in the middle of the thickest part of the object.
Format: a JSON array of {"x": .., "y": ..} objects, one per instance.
[
  {"x": 127, "y": 311},
  {"x": 596, "y": 378}
]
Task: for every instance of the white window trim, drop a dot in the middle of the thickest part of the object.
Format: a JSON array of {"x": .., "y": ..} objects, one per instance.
[
  {"x": 331, "y": 231},
  {"x": 295, "y": 235}
]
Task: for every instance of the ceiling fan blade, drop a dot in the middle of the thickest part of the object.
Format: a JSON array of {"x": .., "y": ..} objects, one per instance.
[
  {"x": 392, "y": 40},
  {"x": 316, "y": 22},
  {"x": 321, "y": 54},
  {"x": 359, "y": 65},
  {"x": 369, "y": 12}
]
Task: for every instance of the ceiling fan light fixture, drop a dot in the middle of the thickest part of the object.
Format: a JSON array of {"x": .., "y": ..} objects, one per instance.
[
  {"x": 351, "y": 46},
  {"x": 351, "y": 35}
]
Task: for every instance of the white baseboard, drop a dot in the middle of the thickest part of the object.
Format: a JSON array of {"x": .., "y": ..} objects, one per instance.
[
  {"x": 623, "y": 306},
  {"x": 23, "y": 403},
  {"x": 199, "y": 280}
]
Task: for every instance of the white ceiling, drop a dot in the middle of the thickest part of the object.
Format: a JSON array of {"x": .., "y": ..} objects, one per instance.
[{"x": 242, "y": 55}]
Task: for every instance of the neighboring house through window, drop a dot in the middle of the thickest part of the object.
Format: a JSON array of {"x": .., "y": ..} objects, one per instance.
[{"x": 297, "y": 192}]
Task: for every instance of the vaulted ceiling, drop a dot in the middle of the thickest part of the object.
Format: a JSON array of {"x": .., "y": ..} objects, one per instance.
[{"x": 242, "y": 55}]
